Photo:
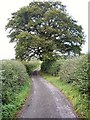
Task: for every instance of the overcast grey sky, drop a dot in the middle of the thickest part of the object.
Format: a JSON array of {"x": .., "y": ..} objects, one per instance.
[{"x": 78, "y": 9}]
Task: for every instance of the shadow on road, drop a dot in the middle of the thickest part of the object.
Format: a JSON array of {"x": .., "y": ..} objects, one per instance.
[{"x": 35, "y": 73}]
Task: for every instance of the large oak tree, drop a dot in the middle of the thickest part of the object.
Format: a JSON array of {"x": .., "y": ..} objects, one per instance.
[{"x": 42, "y": 28}]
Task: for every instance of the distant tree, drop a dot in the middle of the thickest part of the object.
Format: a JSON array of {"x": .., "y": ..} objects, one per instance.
[{"x": 42, "y": 28}]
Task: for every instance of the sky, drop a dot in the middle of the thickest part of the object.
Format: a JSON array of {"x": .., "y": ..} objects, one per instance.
[{"x": 78, "y": 9}]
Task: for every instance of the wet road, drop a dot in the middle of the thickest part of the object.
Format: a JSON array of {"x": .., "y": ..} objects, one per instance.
[{"x": 46, "y": 101}]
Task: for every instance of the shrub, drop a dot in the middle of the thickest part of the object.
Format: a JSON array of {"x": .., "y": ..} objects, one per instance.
[
  {"x": 51, "y": 67},
  {"x": 72, "y": 70},
  {"x": 28, "y": 67},
  {"x": 46, "y": 65},
  {"x": 14, "y": 74},
  {"x": 74, "y": 80},
  {"x": 15, "y": 83},
  {"x": 32, "y": 65},
  {"x": 75, "y": 71}
]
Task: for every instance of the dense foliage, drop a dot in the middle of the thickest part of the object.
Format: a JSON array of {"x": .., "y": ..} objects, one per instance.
[
  {"x": 15, "y": 87},
  {"x": 32, "y": 65},
  {"x": 75, "y": 71},
  {"x": 42, "y": 28},
  {"x": 15, "y": 75},
  {"x": 73, "y": 79},
  {"x": 52, "y": 67},
  {"x": 72, "y": 70}
]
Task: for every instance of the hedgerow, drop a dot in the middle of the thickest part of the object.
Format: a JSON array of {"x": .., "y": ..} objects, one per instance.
[
  {"x": 72, "y": 70},
  {"x": 32, "y": 65},
  {"x": 75, "y": 71},
  {"x": 52, "y": 67},
  {"x": 15, "y": 87}
]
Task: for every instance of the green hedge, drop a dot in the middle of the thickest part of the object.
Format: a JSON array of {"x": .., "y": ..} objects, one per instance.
[
  {"x": 15, "y": 87},
  {"x": 75, "y": 71},
  {"x": 32, "y": 65},
  {"x": 72, "y": 70},
  {"x": 52, "y": 67}
]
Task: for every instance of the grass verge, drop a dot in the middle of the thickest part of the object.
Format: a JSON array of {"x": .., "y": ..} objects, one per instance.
[{"x": 79, "y": 102}]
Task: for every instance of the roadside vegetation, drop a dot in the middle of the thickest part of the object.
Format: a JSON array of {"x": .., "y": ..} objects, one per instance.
[
  {"x": 16, "y": 86},
  {"x": 71, "y": 77},
  {"x": 32, "y": 65},
  {"x": 42, "y": 30}
]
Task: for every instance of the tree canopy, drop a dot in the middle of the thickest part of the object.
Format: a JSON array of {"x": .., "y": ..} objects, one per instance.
[{"x": 42, "y": 28}]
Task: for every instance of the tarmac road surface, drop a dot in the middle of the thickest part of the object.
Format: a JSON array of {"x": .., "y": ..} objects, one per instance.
[{"x": 46, "y": 101}]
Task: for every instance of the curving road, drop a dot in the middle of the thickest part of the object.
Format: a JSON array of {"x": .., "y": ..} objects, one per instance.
[{"x": 46, "y": 101}]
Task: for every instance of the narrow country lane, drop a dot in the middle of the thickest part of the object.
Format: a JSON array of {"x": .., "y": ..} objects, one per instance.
[{"x": 46, "y": 101}]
